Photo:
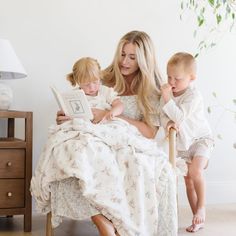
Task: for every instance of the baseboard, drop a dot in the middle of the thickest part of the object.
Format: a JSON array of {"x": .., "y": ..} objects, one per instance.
[{"x": 216, "y": 193}]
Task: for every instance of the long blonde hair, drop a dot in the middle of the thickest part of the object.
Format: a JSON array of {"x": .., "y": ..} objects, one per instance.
[
  {"x": 85, "y": 70},
  {"x": 146, "y": 83}
]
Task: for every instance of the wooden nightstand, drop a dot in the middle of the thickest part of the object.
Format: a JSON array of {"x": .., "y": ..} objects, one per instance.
[{"x": 16, "y": 168}]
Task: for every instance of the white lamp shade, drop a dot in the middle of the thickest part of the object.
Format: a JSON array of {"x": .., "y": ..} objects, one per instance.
[{"x": 10, "y": 66}]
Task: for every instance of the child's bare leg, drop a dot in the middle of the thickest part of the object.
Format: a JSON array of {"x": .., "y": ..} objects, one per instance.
[
  {"x": 198, "y": 201},
  {"x": 192, "y": 198},
  {"x": 191, "y": 193},
  {"x": 105, "y": 227}
]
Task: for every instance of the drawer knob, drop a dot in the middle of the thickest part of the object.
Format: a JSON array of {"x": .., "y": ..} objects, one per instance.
[
  {"x": 9, "y": 194},
  {"x": 9, "y": 163}
]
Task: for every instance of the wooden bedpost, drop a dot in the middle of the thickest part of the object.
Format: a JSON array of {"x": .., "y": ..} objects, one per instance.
[
  {"x": 172, "y": 157},
  {"x": 172, "y": 147},
  {"x": 49, "y": 229}
]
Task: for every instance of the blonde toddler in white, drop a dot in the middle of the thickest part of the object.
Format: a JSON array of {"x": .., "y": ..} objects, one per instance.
[{"x": 182, "y": 108}]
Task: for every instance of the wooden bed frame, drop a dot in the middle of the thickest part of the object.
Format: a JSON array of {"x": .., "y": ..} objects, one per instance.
[{"x": 172, "y": 160}]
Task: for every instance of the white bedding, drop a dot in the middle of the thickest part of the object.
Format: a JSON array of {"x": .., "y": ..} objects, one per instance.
[{"x": 120, "y": 173}]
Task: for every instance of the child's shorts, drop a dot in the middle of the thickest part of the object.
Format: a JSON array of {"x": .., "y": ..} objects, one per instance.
[{"x": 200, "y": 148}]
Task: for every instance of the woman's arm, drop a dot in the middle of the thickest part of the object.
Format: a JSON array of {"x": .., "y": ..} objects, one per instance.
[{"x": 144, "y": 129}]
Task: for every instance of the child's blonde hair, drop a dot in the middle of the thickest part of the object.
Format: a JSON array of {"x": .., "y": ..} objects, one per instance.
[
  {"x": 184, "y": 60},
  {"x": 85, "y": 70}
]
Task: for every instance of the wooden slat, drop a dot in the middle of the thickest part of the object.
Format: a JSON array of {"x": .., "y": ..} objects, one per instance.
[
  {"x": 12, "y": 143},
  {"x": 13, "y": 114},
  {"x": 49, "y": 230},
  {"x": 11, "y": 127},
  {"x": 172, "y": 147},
  {"x": 28, "y": 170}
]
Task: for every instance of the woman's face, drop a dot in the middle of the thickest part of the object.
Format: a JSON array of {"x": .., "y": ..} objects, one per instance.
[{"x": 128, "y": 62}]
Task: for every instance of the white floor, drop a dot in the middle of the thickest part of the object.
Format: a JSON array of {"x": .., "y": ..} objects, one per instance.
[{"x": 221, "y": 221}]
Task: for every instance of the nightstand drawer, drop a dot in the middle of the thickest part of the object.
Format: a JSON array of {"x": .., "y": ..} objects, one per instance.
[
  {"x": 12, "y": 163},
  {"x": 11, "y": 193}
]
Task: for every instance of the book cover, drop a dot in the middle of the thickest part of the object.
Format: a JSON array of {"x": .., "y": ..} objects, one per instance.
[{"x": 74, "y": 103}]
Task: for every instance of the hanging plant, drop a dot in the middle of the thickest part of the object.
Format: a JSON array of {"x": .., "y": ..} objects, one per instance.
[
  {"x": 223, "y": 110},
  {"x": 213, "y": 18}
]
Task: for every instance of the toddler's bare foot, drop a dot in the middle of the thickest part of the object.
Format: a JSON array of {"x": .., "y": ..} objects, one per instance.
[
  {"x": 199, "y": 217},
  {"x": 105, "y": 227},
  {"x": 198, "y": 221},
  {"x": 194, "y": 228}
]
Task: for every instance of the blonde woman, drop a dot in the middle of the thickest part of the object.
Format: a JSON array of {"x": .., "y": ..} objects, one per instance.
[{"x": 134, "y": 75}]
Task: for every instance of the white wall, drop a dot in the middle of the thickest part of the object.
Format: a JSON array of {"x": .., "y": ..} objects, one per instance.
[{"x": 49, "y": 35}]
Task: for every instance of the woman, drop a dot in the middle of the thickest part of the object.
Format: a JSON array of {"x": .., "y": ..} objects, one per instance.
[{"x": 134, "y": 75}]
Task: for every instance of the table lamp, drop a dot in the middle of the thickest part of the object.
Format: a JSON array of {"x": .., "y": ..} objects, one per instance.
[{"x": 10, "y": 68}]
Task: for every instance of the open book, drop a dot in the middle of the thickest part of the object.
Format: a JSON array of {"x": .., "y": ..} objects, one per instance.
[{"x": 74, "y": 103}]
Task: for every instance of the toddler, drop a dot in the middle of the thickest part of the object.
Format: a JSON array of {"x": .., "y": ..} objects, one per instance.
[
  {"x": 182, "y": 107},
  {"x": 87, "y": 76}
]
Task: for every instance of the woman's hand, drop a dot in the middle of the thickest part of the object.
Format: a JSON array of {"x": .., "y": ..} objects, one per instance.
[
  {"x": 61, "y": 117},
  {"x": 98, "y": 115}
]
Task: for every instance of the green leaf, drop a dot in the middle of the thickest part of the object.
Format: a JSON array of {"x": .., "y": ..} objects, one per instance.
[
  {"x": 202, "y": 10},
  {"x": 200, "y": 21},
  {"x": 234, "y": 101},
  {"x": 233, "y": 16},
  {"x": 231, "y": 27},
  {"x": 212, "y": 45},
  {"x": 214, "y": 94},
  {"x": 228, "y": 9},
  {"x": 217, "y": 6},
  {"x": 218, "y": 18},
  {"x": 201, "y": 43},
  {"x": 209, "y": 110},
  {"x": 211, "y": 2}
]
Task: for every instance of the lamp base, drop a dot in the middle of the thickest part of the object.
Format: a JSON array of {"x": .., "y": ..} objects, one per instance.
[{"x": 6, "y": 97}]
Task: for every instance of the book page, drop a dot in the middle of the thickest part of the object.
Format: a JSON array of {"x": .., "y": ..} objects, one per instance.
[{"x": 74, "y": 103}]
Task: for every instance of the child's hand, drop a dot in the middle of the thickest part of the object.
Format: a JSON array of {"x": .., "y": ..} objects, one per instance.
[
  {"x": 166, "y": 92},
  {"x": 98, "y": 115},
  {"x": 172, "y": 124},
  {"x": 109, "y": 116}
]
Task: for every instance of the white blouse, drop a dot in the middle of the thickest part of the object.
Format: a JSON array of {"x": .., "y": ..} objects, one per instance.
[
  {"x": 187, "y": 111},
  {"x": 104, "y": 98}
]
